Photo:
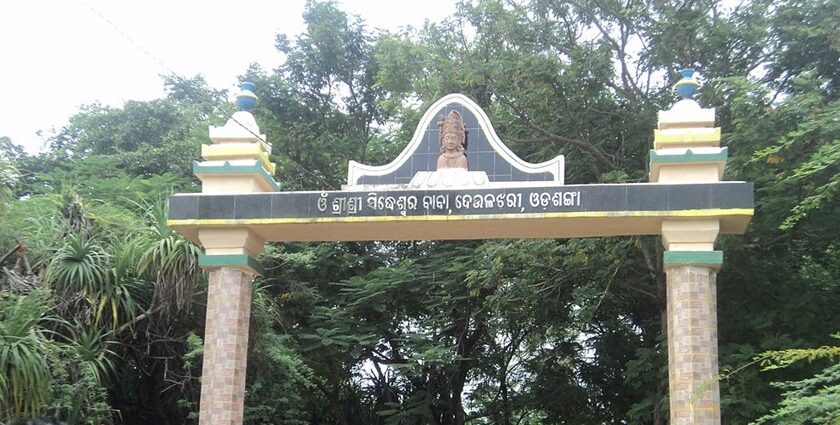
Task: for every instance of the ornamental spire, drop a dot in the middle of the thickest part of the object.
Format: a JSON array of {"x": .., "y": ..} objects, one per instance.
[
  {"x": 246, "y": 99},
  {"x": 687, "y": 86},
  {"x": 238, "y": 161}
]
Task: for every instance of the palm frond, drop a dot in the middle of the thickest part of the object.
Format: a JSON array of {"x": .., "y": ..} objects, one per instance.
[
  {"x": 171, "y": 261},
  {"x": 24, "y": 345}
]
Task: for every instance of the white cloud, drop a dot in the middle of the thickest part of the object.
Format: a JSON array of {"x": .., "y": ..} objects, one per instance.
[{"x": 57, "y": 55}]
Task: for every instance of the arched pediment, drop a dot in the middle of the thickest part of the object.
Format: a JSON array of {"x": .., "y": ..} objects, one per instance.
[{"x": 485, "y": 153}]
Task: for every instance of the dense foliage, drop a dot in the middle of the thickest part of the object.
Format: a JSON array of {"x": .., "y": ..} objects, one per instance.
[{"x": 102, "y": 306}]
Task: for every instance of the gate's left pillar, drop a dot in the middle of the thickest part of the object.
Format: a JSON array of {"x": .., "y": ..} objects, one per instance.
[
  {"x": 236, "y": 164},
  {"x": 225, "y": 346},
  {"x": 231, "y": 266}
]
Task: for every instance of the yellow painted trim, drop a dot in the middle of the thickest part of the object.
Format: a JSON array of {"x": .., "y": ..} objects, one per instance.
[
  {"x": 715, "y": 212},
  {"x": 220, "y": 152},
  {"x": 688, "y": 136},
  {"x": 242, "y": 144},
  {"x": 681, "y": 134}
]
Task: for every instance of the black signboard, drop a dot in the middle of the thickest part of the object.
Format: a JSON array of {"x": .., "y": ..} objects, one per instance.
[{"x": 525, "y": 200}]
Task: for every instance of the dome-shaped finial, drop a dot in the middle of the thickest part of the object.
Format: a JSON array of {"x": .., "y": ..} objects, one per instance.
[
  {"x": 246, "y": 99},
  {"x": 688, "y": 85}
]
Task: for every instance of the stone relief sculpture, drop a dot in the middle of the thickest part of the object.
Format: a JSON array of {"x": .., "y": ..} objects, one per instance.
[{"x": 453, "y": 142}]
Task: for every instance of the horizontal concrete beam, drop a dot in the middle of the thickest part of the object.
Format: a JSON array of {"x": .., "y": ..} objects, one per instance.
[{"x": 543, "y": 212}]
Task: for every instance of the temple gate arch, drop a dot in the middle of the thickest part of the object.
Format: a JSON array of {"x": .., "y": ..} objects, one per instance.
[{"x": 457, "y": 180}]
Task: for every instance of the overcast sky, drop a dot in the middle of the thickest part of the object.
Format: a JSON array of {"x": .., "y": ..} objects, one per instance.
[{"x": 56, "y": 55}]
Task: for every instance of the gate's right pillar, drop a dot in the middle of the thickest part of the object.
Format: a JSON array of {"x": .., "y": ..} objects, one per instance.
[
  {"x": 687, "y": 150},
  {"x": 692, "y": 321}
]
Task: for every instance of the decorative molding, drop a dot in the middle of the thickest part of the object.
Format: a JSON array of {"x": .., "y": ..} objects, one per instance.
[
  {"x": 356, "y": 170},
  {"x": 695, "y": 165},
  {"x": 690, "y": 235},
  {"x": 233, "y": 151},
  {"x": 200, "y": 168},
  {"x": 241, "y": 127},
  {"x": 712, "y": 259},
  {"x": 680, "y": 137},
  {"x": 686, "y": 113},
  {"x": 230, "y": 260},
  {"x": 689, "y": 156}
]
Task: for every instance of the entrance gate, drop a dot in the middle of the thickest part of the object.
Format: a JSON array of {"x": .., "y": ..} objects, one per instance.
[{"x": 457, "y": 180}]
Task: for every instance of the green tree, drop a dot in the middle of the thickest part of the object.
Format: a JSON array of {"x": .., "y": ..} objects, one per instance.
[
  {"x": 814, "y": 400},
  {"x": 24, "y": 348},
  {"x": 536, "y": 332}
]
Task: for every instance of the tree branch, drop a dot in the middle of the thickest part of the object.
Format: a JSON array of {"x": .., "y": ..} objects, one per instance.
[
  {"x": 587, "y": 147},
  {"x": 9, "y": 254},
  {"x": 139, "y": 318}
]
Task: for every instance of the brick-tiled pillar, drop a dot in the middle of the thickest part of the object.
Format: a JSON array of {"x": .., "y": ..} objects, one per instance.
[
  {"x": 692, "y": 345},
  {"x": 225, "y": 347},
  {"x": 686, "y": 150}
]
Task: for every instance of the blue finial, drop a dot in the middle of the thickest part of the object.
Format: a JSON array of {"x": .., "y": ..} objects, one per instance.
[
  {"x": 246, "y": 99},
  {"x": 688, "y": 85}
]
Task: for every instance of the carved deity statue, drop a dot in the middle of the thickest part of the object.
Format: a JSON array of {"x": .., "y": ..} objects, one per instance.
[{"x": 453, "y": 142}]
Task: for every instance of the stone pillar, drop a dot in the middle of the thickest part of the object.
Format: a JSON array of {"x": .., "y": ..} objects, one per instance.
[
  {"x": 691, "y": 267},
  {"x": 225, "y": 346},
  {"x": 687, "y": 150},
  {"x": 692, "y": 346},
  {"x": 236, "y": 163},
  {"x": 230, "y": 260}
]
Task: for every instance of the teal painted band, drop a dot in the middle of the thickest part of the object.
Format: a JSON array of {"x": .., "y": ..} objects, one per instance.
[
  {"x": 689, "y": 157},
  {"x": 696, "y": 258},
  {"x": 230, "y": 260},
  {"x": 228, "y": 168}
]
